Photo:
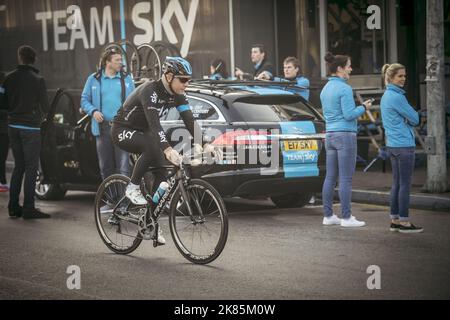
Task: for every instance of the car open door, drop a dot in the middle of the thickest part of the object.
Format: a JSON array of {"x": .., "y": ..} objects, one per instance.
[{"x": 68, "y": 149}]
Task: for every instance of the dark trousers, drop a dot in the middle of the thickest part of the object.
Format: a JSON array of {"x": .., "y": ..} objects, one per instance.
[
  {"x": 402, "y": 160},
  {"x": 134, "y": 141},
  {"x": 26, "y": 148},
  {"x": 4, "y": 147}
]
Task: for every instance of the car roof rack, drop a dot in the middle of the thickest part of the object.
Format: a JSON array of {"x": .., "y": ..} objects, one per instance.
[{"x": 259, "y": 83}]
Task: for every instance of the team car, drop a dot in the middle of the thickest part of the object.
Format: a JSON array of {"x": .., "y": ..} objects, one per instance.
[{"x": 272, "y": 142}]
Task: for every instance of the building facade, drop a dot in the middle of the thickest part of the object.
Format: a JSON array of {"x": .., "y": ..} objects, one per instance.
[{"x": 69, "y": 35}]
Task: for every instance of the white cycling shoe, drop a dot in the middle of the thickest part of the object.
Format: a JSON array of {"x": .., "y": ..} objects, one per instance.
[
  {"x": 135, "y": 196},
  {"x": 161, "y": 240}
]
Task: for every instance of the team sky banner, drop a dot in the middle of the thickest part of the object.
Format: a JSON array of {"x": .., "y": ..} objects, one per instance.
[{"x": 69, "y": 35}]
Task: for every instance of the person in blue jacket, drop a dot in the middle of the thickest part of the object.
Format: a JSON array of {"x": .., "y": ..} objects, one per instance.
[
  {"x": 292, "y": 72},
  {"x": 341, "y": 114},
  {"x": 104, "y": 93},
  {"x": 399, "y": 118},
  {"x": 218, "y": 69}
]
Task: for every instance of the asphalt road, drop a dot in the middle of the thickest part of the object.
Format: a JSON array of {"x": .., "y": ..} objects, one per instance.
[{"x": 270, "y": 254}]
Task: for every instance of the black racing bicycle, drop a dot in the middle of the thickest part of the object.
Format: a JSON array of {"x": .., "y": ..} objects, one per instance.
[{"x": 196, "y": 212}]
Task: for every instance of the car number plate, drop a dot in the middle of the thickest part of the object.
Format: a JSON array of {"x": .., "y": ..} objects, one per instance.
[{"x": 300, "y": 145}]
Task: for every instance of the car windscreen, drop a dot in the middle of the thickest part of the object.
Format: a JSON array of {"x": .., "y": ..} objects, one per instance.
[{"x": 275, "y": 111}]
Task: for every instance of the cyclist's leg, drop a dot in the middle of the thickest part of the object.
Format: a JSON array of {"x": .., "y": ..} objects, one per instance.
[
  {"x": 155, "y": 157},
  {"x": 151, "y": 154},
  {"x": 133, "y": 141}
]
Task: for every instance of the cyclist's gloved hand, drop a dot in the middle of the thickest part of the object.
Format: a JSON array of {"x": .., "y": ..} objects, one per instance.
[
  {"x": 173, "y": 156},
  {"x": 197, "y": 149},
  {"x": 216, "y": 153},
  {"x": 180, "y": 99}
]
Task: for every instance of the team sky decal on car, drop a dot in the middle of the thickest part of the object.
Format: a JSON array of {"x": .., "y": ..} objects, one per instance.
[
  {"x": 299, "y": 156},
  {"x": 298, "y": 143}
]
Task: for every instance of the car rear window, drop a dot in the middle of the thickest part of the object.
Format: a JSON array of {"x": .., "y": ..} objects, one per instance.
[{"x": 277, "y": 112}]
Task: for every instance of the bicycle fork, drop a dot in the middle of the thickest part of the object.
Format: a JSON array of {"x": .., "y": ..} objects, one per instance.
[{"x": 187, "y": 201}]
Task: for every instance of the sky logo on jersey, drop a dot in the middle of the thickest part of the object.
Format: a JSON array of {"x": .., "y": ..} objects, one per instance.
[
  {"x": 126, "y": 135},
  {"x": 299, "y": 156}
]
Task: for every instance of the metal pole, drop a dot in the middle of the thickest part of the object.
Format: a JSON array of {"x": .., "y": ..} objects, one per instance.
[
  {"x": 392, "y": 44},
  {"x": 435, "y": 141},
  {"x": 232, "y": 59},
  {"x": 323, "y": 36}
]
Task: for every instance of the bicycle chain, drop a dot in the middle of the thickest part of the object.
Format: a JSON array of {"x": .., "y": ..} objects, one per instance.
[{"x": 147, "y": 229}]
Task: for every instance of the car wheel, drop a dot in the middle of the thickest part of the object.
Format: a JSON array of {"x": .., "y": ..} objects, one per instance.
[
  {"x": 48, "y": 191},
  {"x": 291, "y": 200}
]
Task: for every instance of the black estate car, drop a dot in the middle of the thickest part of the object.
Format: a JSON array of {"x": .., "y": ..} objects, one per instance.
[{"x": 271, "y": 137}]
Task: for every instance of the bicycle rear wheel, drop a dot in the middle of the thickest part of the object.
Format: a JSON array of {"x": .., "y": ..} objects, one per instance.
[
  {"x": 201, "y": 238},
  {"x": 116, "y": 226}
]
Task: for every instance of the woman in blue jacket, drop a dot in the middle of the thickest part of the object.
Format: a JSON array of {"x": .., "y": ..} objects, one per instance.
[
  {"x": 399, "y": 118},
  {"x": 218, "y": 70},
  {"x": 341, "y": 114}
]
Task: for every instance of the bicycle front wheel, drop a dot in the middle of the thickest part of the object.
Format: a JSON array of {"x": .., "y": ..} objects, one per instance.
[{"x": 199, "y": 238}]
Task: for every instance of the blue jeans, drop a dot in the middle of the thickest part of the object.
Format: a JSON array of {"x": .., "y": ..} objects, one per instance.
[
  {"x": 26, "y": 149},
  {"x": 341, "y": 161},
  {"x": 402, "y": 160},
  {"x": 111, "y": 159}
]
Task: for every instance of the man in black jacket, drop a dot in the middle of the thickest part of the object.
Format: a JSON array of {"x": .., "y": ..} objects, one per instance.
[
  {"x": 259, "y": 59},
  {"x": 26, "y": 100}
]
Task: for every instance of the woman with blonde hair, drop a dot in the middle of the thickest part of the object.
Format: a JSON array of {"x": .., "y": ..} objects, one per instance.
[{"x": 399, "y": 118}]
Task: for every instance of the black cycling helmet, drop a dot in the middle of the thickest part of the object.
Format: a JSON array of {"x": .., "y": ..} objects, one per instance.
[{"x": 178, "y": 66}]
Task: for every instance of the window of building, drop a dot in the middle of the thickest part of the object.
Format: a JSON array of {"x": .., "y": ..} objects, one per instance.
[{"x": 348, "y": 34}]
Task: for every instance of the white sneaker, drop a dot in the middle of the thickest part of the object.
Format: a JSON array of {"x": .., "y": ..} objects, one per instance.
[
  {"x": 161, "y": 239},
  {"x": 135, "y": 196},
  {"x": 330, "y": 221},
  {"x": 352, "y": 222}
]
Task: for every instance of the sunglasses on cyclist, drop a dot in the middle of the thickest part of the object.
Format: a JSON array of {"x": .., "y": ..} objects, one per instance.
[{"x": 184, "y": 79}]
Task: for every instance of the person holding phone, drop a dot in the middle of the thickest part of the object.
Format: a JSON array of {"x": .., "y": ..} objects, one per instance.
[{"x": 341, "y": 114}]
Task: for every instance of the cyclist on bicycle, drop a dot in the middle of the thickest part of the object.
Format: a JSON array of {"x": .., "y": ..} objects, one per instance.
[{"x": 137, "y": 128}]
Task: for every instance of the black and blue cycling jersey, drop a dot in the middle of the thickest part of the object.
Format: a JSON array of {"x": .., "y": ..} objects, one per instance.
[{"x": 143, "y": 109}]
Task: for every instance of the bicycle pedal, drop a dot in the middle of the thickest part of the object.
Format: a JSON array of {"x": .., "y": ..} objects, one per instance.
[
  {"x": 113, "y": 220},
  {"x": 145, "y": 236},
  {"x": 157, "y": 244}
]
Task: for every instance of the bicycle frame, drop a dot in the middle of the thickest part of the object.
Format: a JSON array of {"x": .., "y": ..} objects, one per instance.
[{"x": 179, "y": 179}]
